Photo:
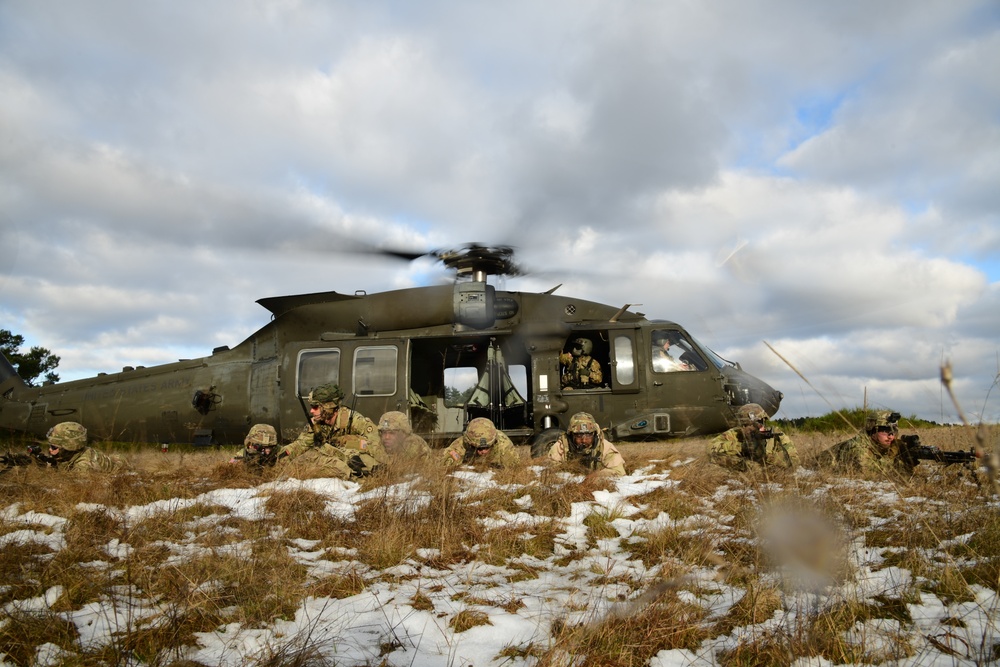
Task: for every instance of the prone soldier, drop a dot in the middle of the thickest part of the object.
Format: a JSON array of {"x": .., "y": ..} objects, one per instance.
[
  {"x": 752, "y": 442},
  {"x": 482, "y": 442},
  {"x": 398, "y": 438},
  {"x": 260, "y": 447},
  {"x": 876, "y": 449},
  {"x": 68, "y": 450},
  {"x": 584, "y": 442}
]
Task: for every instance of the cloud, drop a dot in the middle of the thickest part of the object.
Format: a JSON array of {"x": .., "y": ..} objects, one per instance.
[{"x": 820, "y": 176}]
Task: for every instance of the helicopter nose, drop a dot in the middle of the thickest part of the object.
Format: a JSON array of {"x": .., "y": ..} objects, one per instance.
[{"x": 770, "y": 400}]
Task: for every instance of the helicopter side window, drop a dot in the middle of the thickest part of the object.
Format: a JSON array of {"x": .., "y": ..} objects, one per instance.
[
  {"x": 625, "y": 366},
  {"x": 317, "y": 367},
  {"x": 673, "y": 352},
  {"x": 375, "y": 371}
]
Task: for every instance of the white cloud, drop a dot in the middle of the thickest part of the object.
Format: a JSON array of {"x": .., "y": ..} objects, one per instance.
[{"x": 164, "y": 168}]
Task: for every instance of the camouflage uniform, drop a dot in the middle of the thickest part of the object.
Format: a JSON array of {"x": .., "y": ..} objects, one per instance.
[
  {"x": 863, "y": 452},
  {"x": 260, "y": 447},
  {"x": 345, "y": 444},
  {"x": 482, "y": 434},
  {"x": 579, "y": 369},
  {"x": 738, "y": 446},
  {"x": 601, "y": 456},
  {"x": 398, "y": 438},
  {"x": 71, "y": 438}
]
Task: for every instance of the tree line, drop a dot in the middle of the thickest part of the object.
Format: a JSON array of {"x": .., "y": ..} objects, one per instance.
[{"x": 35, "y": 363}]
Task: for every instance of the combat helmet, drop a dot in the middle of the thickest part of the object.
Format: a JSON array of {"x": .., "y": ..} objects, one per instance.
[
  {"x": 585, "y": 345},
  {"x": 582, "y": 423},
  {"x": 261, "y": 435},
  {"x": 326, "y": 393},
  {"x": 480, "y": 433},
  {"x": 751, "y": 413},
  {"x": 884, "y": 418},
  {"x": 395, "y": 421},
  {"x": 68, "y": 436}
]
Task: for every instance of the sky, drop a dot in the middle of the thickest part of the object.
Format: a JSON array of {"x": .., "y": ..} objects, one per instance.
[{"x": 821, "y": 177}]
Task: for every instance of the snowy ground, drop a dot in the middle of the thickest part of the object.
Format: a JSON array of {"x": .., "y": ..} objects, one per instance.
[{"x": 384, "y": 624}]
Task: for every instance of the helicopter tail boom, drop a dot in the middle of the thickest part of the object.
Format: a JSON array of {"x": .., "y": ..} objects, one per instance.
[{"x": 9, "y": 379}]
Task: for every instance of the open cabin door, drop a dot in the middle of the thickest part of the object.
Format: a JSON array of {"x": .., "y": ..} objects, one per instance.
[{"x": 495, "y": 396}]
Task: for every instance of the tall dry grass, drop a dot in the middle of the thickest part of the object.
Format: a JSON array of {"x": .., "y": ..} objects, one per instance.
[{"x": 776, "y": 539}]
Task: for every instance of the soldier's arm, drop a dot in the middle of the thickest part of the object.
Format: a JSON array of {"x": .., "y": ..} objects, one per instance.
[
  {"x": 614, "y": 464},
  {"x": 455, "y": 453}
]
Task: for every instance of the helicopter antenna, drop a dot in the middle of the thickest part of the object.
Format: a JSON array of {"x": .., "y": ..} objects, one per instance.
[{"x": 621, "y": 311}]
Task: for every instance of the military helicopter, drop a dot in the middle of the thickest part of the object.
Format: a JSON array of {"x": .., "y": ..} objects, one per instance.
[{"x": 443, "y": 354}]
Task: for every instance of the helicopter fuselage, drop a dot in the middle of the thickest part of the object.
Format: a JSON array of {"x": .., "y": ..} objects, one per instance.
[{"x": 441, "y": 354}]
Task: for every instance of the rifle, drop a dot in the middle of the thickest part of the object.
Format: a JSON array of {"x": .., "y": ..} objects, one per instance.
[
  {"x": 756, "y": 444},
  {"x": 317, "y": 436},
  {"x": 913, "y": 452},
  {"x": 10, "y": 460},
  {"x": 258, "y": 459}
]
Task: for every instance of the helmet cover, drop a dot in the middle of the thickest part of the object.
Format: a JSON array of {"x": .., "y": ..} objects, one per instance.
[
  {"x": 395, "y": 421},
  {"x": 751, "y": 413},
  {"x": 262, "y": 435},
  {"x": 881, "y": 418},
  {"x": 480, "y": 433},
  {"x": 326, "y": 393},
  {"x": 67, "y": 435}
]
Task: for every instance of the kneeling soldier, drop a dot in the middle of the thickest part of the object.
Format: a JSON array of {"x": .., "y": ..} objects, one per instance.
[
  {"x": 341, "y": 442},
  {"x": 752, "y": 441}
]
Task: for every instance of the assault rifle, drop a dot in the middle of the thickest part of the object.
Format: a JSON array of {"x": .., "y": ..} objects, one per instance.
[
  {"x": 258, "y": 459},
  {"x": 317, "y": 435},
  {"x": 913, "y": 452},
  {"x": 35, "y": 455}
]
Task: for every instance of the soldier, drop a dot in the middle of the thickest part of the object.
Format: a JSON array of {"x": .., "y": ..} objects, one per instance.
[
  {"x": 663, "y": 360},
  {"x": 341, "y": 442},
  {"x": 398, "y": 437},
  {"x": 584, "y": 442},
  {"x": 875, "y": 450},
  {"x": 68, "y": 450},
  {"x": 579, "y": 370},
  {"x": 482, "y": 442},
  {"x": 260, "y": 447},
  {"x": 752, "y": 441}
]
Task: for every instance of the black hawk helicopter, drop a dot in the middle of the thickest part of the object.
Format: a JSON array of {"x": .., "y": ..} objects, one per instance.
[{"x": 443, "y": 354}]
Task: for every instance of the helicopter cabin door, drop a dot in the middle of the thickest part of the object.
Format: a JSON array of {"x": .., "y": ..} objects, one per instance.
[{"x": 370, "y": 374}]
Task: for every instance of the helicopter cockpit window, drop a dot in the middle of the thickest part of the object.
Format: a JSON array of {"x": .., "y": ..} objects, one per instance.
[
  {"x": 672, "y": 352},
  {"x": 317, "y": 367},
  {"x": 375, "y": 371}
]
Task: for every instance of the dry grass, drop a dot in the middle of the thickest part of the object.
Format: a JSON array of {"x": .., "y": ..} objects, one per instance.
[{"x": 151, "y": 533}]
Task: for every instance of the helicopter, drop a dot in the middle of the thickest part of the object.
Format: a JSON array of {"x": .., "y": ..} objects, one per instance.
[{"x": 442, "y": 354}]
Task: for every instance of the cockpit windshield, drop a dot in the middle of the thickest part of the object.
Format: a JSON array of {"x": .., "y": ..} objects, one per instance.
[
  {"x": 715, "y": 358},
  {"x": 673, "y": 351}
]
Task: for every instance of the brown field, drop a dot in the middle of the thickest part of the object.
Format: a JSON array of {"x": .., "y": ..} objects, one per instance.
[{"x": 154, "y": 529}]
